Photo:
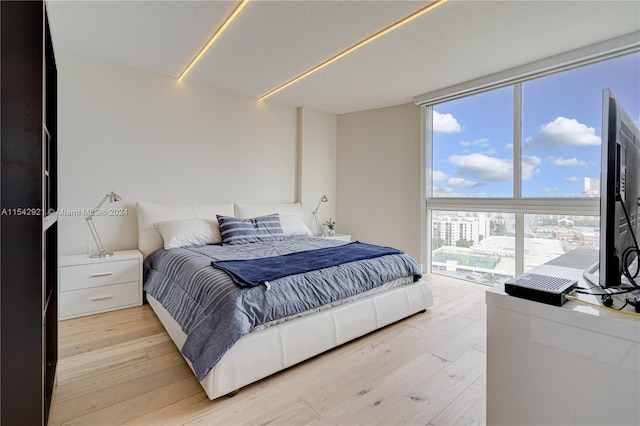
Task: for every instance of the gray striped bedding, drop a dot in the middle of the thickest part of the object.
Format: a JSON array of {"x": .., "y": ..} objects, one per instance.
[{"x": 214, "y": 312}]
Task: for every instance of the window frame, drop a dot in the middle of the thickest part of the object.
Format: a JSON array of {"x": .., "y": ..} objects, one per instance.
[
  {"x": 517, "y": 205},
  {"x": 582, "y": 206}
]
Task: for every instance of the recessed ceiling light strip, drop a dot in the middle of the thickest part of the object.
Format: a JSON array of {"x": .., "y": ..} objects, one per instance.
[
  {"x": 224, "y": 26},
  {"x": 340, "y": 55}
]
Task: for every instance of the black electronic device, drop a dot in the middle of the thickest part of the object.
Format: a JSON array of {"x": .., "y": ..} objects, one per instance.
[
  {"x": 540, "y": 288},
  {"x": 619, "y": 195}
]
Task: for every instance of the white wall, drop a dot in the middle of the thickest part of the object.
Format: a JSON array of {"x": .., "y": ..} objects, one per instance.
[
  {"x": 379, "y": 162},
  {"x": 318, "y": 136},
  {"x": 151, "y": 138}
]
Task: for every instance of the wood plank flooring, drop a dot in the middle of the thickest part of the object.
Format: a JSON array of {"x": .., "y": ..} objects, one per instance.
[{"x": 121, "y": 367}]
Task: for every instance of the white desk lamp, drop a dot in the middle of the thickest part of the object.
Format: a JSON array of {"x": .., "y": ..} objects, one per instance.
[
  {"x": 112, "y": 197},
  {"x": 323, "y": 199}
]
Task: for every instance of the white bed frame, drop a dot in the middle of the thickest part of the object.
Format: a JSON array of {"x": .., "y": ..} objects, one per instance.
[{"x": 269, "y": 350}]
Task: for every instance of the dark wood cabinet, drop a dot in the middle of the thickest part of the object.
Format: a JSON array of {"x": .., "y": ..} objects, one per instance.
[{"x": 28, "y": 232}]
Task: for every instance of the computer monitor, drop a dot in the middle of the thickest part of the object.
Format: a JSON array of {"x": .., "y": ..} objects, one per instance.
[{"x": 619, "y": 196}]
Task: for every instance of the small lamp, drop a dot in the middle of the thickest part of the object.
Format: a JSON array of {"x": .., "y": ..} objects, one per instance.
[
  {"x": 323, "y": 199},
  {"x": 112, "y": 197}
]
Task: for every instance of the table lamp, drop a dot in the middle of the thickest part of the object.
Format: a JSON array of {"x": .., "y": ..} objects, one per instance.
[
  {"x": 323, "y": 199},
  {"x": 101, "y": 252}
]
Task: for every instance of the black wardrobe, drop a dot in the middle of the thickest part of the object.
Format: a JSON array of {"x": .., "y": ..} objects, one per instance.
[{"x": 29, "y": 229}]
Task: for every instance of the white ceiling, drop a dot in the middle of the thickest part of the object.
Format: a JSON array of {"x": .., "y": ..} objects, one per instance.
[{"x": 273, "y": 41}]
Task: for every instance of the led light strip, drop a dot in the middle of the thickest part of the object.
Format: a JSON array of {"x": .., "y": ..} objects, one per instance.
[
  {"x": 356, "y": 46},
  {"x": 224, "y": 26}
]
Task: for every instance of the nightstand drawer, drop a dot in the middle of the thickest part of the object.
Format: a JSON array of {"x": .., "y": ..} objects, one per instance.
[
  {"x": 98, "y": 299},
  {"x": 77, "y": 277}
]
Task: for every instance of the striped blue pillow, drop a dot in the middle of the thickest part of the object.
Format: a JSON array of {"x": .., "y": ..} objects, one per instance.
[{"x": 245, "y": 231}]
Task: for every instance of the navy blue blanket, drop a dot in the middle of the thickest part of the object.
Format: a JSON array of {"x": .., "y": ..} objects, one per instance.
[{"x": 254, "y": 272}]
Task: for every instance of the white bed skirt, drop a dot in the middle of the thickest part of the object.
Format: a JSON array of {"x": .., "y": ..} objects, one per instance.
[{"x": 267, "y": 351}]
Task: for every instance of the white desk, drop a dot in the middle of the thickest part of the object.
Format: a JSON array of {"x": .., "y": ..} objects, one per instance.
[{"x": 569, "y": 365}]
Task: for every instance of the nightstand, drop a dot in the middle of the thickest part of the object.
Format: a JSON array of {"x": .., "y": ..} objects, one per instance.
[
  {"x": 93, "y": 285},
  {"x": 339, "y": 237}
]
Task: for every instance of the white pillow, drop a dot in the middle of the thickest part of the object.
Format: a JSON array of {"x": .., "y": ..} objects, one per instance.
[
  {"x": 293, "y": 225},
  {"x": 189, "y": 232}
]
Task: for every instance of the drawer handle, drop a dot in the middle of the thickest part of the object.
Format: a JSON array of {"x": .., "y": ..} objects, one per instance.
[
  {"x": 102, "y": 274},
  {"x": 93, "y": 299}
]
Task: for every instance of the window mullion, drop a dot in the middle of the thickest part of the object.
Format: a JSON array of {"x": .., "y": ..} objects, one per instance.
[
  {"x": 517, "y": 141},
  {"x": 427, "y": 124},
  {"x": 427, "y": 189},
  {"x": 519, "y": 254},
  {"x": 517, "y": 175},
  {"x": 428, "y": 246},
  {"x": 557, "y": 206}
]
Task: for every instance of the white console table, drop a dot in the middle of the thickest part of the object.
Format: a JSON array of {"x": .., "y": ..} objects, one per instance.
[{"x": 569, "y": 365}]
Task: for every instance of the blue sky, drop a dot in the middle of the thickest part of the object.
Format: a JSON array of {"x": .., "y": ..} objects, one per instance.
[{"x": 561, "y": 133}]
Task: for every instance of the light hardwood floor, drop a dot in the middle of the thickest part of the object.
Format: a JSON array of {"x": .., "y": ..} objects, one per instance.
[{"x": 122, "y": 368}]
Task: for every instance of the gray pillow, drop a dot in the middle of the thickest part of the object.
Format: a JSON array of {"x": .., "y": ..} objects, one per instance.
[{"x": 255, "y": 230}]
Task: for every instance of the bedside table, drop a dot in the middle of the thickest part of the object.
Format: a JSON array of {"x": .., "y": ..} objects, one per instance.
[
  {"x": 339, "y": 237},
  {"x": 93, "y": 285}
]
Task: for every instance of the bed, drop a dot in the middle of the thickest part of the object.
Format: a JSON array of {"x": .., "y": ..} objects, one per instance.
[{"x": 281, "y": 342}]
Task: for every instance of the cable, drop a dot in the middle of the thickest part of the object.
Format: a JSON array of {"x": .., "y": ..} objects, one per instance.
[
  {"x": 626, "y": 215},
  {"x": 575, "y": 299},
  {"x": 624, "y": 258},
  {"x": 608, "y": 302},
  {"x": 626, "y": 254},
  {"x": 635, "y": 303},
  {"x": 623, "y": 306},
  {"x": 609, "y": 292}
]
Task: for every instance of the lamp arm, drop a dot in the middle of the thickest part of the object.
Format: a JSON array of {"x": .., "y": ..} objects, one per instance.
[
  {"x": 315, "y": 212},
  {"x": 94, "y": 234},
  {"x": 315, "y": 216},
  {"x": 323, "y": 199},
  {"x": 92, "y": 212}
]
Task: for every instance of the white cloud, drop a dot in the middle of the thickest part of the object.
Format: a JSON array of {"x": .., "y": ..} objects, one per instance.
[
  {"x": 482, "y": 142},
  {"x": 563, "y": 132},
  {"x": 464, "y": 183},
  {"x": 529, "y": 163},
  {"x": 569, "y": 162},
  {"x": 509, "y": 146},
  {"x": 483, "y": 167},
  {"x": 439, "y": 176},
  {"x": 443, "y": 191},
  {"x": 572, "y": 179},
  {"x": 492, "y": 169},
  {"x": 445, "y": 123}
]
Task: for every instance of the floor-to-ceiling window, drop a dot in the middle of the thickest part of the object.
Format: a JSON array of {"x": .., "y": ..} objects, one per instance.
[{"x": 513, "y": 172}]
